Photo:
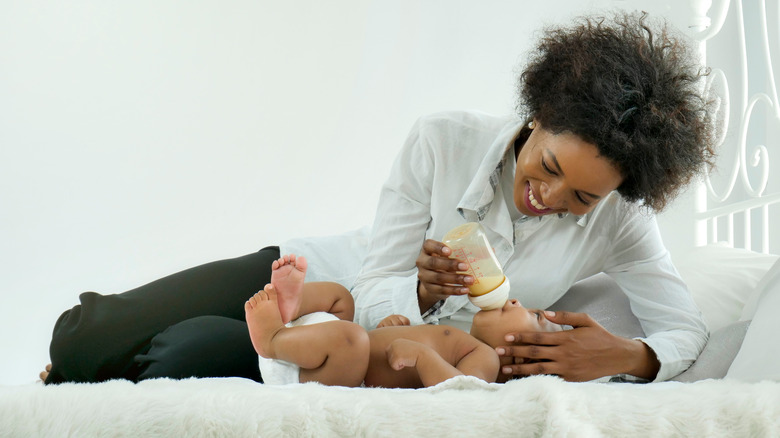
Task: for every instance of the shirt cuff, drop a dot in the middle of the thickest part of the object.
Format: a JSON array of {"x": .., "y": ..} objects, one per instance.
[
  {"x": 669, "y": 366},
  {"x": 431, "y": 316}
]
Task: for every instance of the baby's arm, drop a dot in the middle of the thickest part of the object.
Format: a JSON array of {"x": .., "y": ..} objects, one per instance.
[
  {"x": 480, "y": 362},
  {"x": 393, "y": 321},
  {"x": 432, "y": 368}
]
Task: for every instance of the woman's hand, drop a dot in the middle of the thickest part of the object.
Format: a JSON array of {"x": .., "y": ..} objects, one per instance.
[
  {"x": 438, "y": 274},
  {"x": 393, "y": 320},
  {"x": 586, "y": 352}
]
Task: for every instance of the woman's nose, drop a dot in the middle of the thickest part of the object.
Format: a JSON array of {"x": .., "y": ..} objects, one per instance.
[{"x": 552, "y": 195}]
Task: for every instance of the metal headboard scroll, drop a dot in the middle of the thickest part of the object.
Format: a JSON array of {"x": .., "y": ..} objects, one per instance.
[{"x": 712, "y": 206}]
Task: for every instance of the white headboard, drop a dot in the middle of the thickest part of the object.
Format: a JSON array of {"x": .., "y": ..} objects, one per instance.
[
  {"x": 735, "y": 206},
  {"x": 739, "y": 201}
]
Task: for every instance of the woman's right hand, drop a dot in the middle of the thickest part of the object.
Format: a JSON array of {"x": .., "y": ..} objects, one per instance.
[{"x": 438, "y": 276}]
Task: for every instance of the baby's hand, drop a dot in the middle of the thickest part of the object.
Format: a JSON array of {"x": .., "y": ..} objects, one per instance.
[
  {"x": 393, "y": 320},
  {"x": 402, "y": 353}
]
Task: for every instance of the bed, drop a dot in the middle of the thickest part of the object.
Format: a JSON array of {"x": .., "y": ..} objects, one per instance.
[{"x": 726, "y": 255}]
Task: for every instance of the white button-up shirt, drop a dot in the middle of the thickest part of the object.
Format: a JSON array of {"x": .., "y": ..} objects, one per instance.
[{"x": 458, "y": 167}]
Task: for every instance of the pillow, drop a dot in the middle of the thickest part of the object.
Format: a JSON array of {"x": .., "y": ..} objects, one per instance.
[
  {"x": 759, "y": 356},
  {"x": 718, "y": 354},
  {"x": 601, "y": 298},
  {"x": 763, "y": 288},
  {"x": 721, "y": 279}
]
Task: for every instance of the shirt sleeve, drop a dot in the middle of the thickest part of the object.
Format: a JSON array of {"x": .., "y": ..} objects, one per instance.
[
  {"x": 387, "y": 283},
  {"x": 642, "y": 267}
]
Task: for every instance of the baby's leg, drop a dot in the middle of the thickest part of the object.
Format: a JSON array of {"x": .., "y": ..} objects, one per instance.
[
  {"x": 332, "y": 353},
  {"x": 326, "y": 296},
  {"x": 338, "y": 352},
  {"x": 287, "y": 275}
]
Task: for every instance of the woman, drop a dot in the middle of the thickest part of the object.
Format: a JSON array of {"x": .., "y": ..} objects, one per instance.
[{"x": 611, "y": 119}]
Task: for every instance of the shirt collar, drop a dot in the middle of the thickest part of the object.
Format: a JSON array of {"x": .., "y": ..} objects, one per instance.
[{"x": 478, "y": 197}]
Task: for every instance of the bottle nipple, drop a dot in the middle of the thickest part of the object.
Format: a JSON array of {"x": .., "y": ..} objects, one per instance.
[{"x": 469, "y": 243}]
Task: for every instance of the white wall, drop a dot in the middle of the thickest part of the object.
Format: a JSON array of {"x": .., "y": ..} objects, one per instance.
[{"x": 141, "y": 138}]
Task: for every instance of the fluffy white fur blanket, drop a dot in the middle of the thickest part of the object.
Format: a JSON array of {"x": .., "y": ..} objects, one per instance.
[{"x": 463, "y": 406}]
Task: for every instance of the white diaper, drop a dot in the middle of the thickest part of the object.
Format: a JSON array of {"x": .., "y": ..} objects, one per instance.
[{"x": 280, "y": 372}]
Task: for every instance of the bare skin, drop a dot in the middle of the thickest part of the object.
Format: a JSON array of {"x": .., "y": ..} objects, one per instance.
[
  {"x": 338, "y": 357},
  {"x": 425, "y": 355},
  {"x": 574, "y": 355},
  {"x": 343, "y": 353},
  {"x": 44, "y": 374},
  {"x": 265, "y": 320}
]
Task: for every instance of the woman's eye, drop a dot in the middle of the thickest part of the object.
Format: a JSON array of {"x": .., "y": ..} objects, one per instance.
[
  {"x": 547, "y": 168},
  {"x": 581, "y": 199}
]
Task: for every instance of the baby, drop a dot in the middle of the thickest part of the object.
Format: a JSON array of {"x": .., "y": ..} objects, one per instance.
[{"x": 394, "y": 355}]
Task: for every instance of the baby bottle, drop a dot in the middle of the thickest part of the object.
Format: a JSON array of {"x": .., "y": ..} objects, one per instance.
[{"x": 469, "y": 243}]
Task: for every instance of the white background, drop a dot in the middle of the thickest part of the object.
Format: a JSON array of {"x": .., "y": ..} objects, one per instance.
[{"x": 141, "y": 138}]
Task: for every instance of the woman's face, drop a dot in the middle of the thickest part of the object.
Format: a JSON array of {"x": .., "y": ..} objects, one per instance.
[
  {"x": 560, "y": 173},
  {"x": 490, "y": 326}
]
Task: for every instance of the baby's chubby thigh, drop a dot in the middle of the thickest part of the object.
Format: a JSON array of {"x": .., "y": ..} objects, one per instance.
[{"x": 319, "y": 347}]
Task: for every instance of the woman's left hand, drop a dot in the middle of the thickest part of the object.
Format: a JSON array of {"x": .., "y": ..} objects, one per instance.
[{"x": 586, "y": 352}]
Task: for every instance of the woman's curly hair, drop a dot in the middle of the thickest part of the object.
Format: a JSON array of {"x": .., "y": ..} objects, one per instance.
[{"x": 633, "y": 91}]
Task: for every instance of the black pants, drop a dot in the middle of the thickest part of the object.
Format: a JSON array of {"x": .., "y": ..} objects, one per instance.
[{"x": 189, "y": 324}]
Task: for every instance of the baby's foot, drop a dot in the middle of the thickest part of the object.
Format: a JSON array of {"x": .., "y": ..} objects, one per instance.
[
  {"x": 287, "y": 275},
  {"x": 44, "y": 374},
  {"x": 263, "y": 319}
]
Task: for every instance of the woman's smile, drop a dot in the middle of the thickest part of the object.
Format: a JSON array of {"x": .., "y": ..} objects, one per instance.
[
  {"x": 532, "y": 203},
  {"x": 560, "y": 173}
]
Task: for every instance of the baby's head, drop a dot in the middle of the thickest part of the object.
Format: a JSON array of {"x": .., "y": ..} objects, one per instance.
[{"x": 490, "y": 326}]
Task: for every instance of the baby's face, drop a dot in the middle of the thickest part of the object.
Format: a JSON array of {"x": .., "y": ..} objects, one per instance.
[{"x": 490, "y": 326}]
